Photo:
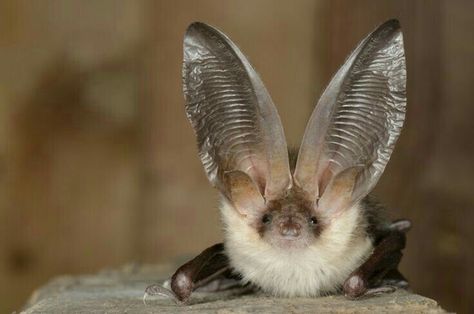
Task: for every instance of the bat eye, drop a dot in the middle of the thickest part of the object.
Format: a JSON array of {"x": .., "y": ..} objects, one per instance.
[
  {"x": 313, "y": 220},
  {"x": 267, "y": 218}
]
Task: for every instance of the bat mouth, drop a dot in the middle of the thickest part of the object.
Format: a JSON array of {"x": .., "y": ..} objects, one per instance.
[{"x": 287, "y": 242}]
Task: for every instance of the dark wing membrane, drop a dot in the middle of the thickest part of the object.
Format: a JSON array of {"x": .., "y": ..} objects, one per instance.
[
  {"x": 360, "y": 115},
  {"x": 235, "y": 121}
]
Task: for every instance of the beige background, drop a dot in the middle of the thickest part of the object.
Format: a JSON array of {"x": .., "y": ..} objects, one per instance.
[{"x": 98, "y": 165}]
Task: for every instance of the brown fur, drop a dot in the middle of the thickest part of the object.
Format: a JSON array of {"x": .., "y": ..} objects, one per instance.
[{"x": 374, "y": 213}]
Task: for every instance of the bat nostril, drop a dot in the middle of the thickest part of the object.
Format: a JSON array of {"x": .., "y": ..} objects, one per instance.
[{"x": 290, "y": 229}]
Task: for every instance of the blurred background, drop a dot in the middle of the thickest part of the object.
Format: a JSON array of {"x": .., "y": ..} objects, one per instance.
[{"x": 98, "y": 164}]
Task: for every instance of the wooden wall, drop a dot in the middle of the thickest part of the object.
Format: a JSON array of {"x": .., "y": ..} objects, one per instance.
[{"x": 98, "y": 164}]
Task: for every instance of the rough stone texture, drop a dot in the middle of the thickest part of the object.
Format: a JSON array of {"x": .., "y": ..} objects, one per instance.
[{"x": 121, "y": 291}]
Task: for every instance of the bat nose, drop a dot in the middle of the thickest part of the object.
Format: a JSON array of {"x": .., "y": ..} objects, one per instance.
[{"x": 290, "y": 228}]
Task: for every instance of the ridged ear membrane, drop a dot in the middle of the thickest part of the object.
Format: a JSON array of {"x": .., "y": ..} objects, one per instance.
[
  {"x": 359, "y": 116},
  {"x": 236, "y": 124},
  {"x": 244, "y": 193},
  {"x": 338, "y": 194}
]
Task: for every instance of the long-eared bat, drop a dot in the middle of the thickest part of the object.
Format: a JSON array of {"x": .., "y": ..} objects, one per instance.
[{"x": 308, "y": 227}]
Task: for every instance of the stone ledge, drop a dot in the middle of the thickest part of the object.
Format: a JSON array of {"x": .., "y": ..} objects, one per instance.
[{"x": 121, "y": 291}]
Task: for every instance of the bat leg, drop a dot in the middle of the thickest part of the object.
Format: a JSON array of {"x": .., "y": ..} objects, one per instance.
[
  {"x": 209, "y": 271},
  {"x": 379, "y": 273}
]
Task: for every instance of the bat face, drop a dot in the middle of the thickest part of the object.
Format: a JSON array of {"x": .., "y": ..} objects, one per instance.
[{"x": 289, "y": 223}]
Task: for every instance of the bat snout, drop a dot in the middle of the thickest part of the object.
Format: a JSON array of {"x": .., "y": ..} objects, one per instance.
[
  {"x": 289, "y": 228},
  {"x": 289, "y": 231}
]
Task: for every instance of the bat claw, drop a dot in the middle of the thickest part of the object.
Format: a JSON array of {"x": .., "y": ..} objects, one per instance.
[
  {"x": 156, "y": 289},
  {"x": 144, "y": 298},
  {"x": 373, "y": 292},
  {"x": 402, "y": 225}
]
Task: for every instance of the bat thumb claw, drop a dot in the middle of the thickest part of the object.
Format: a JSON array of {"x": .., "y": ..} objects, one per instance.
[
  {"x": 144, "y": 298},
  {"x": 402, "y": 225},
  {"x": 157, "y": 289}
]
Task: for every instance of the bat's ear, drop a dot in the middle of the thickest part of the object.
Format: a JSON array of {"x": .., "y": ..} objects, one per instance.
[
  {"x": 338, "y": 194},
  {"x": 243, "y": 193},
  {"x": 239, "y": 133},
  {"x": 352, "y": 132}
]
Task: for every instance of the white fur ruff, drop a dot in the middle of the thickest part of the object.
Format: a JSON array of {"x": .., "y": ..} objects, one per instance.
[{"x": 316, "y": 270}]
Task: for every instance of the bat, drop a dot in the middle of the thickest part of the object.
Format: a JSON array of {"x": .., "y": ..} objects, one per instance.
[{"x": 296, "y": 223}]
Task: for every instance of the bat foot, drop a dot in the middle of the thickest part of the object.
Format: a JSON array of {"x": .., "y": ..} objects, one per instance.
[
  {"x": 373, "y": 292},
  {"x": 159, "y": 290},
  {"x": 401, "y": 284}
]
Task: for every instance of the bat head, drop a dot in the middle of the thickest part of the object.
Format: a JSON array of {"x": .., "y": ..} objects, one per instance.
[{"x": 347, "y": 143}]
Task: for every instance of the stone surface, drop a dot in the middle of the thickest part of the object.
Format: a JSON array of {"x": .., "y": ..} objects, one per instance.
[{"x": 121, "y": 291}]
